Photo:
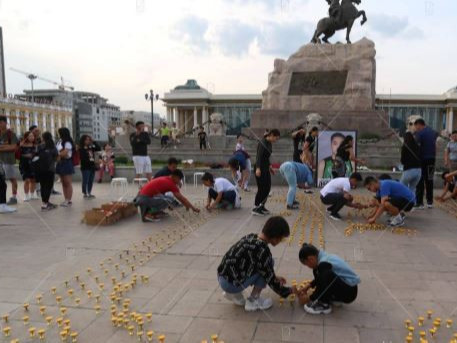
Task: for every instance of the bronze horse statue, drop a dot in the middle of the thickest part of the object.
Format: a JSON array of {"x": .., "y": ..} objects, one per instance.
[{"x": 341, "y": 17}]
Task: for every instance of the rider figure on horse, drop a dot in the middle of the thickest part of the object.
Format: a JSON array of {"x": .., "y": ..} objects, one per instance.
[{"x": 335, "y": 10}]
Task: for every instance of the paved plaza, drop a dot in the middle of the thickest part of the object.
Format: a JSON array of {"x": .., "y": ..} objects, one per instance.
[{"x": 403, "y": 275}]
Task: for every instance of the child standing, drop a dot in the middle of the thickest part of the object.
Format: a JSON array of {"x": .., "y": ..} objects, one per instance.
[
  {"x": 106, "y": 163},
  {"x": 334, "y": 281},
  {"x": 249, "y": 263},
  {"x": 202, "y": 138}
]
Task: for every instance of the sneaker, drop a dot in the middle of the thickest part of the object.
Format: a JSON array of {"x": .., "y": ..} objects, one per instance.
[
  {"x": 335, "y": 216},
  {"x": 66, "y": 203},
  {"x": 264, "y": 210},
  {"x": 337, "y": 304},
  {"x": 429, "y": 206},
  {"x": 90, "y": 196},
  {"x": 328, "y": 211},
  {"x": 257, "y": 212},
  {"x": 85, "y": 196},
  {"x": 236, "y": 298},
  {"x": 12, "y": 201},
  {"x": 258, "y": 304},
  {"x": 35, "y": 196},
  {"x": 418, "y": 207},
  {"x": 397, "y": 221},
  {"x": 308, "y": 191},
  {"x": 151, "y": 218},
  {"x": 27, "y": 198},
  {"x": 293, "y": 207},
  {"x": 247, "y": 189},
  {"x": 296, "y": 202},
  {"x": 54, "y": 192},
  {"x": 48, "y": 207},
  {"x": 4, "y": 208},
  {"x": 317, "y": 307}
]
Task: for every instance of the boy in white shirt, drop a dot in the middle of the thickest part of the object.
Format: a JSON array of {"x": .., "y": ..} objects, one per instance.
[
  {"x": 221, "y": 193},
  {"x": 336, "y": 193}
]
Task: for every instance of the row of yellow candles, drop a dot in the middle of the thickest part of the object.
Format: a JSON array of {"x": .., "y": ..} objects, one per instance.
[{"x": 65, "y": 333}]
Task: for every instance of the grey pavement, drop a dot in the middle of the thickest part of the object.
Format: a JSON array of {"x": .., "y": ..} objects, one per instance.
[{"x": 402, "y": 276}]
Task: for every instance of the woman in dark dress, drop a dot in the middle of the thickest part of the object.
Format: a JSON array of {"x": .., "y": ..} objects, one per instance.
[
  {"x": 263, "y": 171},
  {"x": 28, "y": 150}
]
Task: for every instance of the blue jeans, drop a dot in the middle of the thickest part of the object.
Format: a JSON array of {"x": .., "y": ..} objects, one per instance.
[
  {"x": 410, "y": 178},
  {"x": 88, "y": 181},
  {"x": 255, "y": 280},
  {"x": 289, "y": 173},
  {"x": 228, "y": 197}
]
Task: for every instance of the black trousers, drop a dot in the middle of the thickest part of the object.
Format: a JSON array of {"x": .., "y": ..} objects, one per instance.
[
  {"x": 263, "y": 187},
  {"x": 297, "y": 154},
  {"x": 336, "y": 200},
  {"x": 3, "y": 188},
  {"x": 164, "y": 141},
  {"x": 203, "y": 145},
  {"x": 228, "y": 196},
  {"x": 330, "y": 287},
  {"x": 426, "y": 181},
  {"x": 47, "y": 185}
]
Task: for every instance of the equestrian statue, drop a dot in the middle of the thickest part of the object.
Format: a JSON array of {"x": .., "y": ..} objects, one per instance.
[{"x": 341, "y": 16}]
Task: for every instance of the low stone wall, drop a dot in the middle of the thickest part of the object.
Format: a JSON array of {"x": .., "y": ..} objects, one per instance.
[{"x": 277, "y": 180}]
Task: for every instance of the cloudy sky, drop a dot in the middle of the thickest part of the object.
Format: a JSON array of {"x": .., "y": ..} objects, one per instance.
[{"x": 122, "y": 48}]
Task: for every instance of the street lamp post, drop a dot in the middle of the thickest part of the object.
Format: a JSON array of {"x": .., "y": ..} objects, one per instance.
[{"x": 152, "y": 97}]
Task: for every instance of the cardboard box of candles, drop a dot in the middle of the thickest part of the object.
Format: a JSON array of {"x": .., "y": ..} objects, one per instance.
[
  {"x": 101, "y": 217},
  {"x": 126, "y": 209}
]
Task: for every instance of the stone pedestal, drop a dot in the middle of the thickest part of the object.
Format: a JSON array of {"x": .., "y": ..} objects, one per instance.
[{"x": 336, "y": 81}]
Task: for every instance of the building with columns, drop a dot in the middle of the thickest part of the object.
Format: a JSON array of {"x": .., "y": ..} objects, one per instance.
[
  {"x": 190, "y": 106},
  {"x": 23, "y": 114},
  {"x": 92, "y": 115}
]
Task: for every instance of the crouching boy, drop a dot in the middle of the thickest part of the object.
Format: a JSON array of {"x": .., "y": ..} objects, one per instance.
[
  {"x": 249, "y": 263},
  {"x": 221, "y": 193},
  {"x": 334, "y": 281}
]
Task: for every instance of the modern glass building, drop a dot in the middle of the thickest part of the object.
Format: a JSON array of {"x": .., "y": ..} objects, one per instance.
[{"x": 190, "y": 106}]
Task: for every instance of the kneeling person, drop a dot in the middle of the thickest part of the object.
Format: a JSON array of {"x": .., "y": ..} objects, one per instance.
[
  {"x": 249, "y": 263},
  {"x": 297, "y": 175},
  {"x": 152, "y": 198},
  {"x": 221, "y": 193},
  {"x": 336, "y": 193},
  {"x": 334, "y": 281},
  {"x": 392, "y": 197}
]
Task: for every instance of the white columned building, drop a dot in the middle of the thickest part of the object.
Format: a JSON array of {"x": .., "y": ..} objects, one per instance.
[
  {"x": 27, "y": 120},
  {"x": 18, "y": 123}
]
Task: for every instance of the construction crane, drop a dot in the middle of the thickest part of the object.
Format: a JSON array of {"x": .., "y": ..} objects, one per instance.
[{"x": 32, "y": 77}]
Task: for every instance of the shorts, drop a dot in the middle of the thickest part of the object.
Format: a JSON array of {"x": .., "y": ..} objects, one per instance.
[
  {"x": 142, "y": 164},
  {"x": 9, "y": 171},
  {"x": 402, "y": 204},
  {"x": 65, "y": 167}
]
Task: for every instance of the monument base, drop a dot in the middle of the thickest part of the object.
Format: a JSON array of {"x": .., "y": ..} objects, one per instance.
[
  {"x": 367, "y": 121},
  {"x": 335, "y": 81}
]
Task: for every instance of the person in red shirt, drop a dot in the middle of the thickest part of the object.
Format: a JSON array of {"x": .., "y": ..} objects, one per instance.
[{"x": 152, "y": 198}]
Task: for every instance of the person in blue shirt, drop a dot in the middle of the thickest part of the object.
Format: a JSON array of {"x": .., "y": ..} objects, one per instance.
[
  {"x": 426, "y": 138},
  {"x": 334, "y": 281},
  {"x": 297, "y": 175},
  {"x": 238, "y": 164},
  {"x": 392, "y": 197}
]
